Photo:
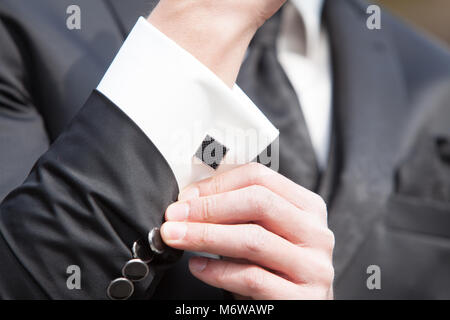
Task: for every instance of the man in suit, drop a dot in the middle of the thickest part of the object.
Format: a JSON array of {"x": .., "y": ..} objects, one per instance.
[{"x": 104, "y": 181}]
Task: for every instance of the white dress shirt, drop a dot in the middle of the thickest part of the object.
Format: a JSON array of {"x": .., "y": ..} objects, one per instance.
[
  {"x": 304, "y": 54},
  {"x": 177, "y": 101}
]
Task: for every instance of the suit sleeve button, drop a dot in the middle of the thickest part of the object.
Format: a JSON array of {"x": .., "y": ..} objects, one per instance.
[
  {"x": 156, "y": 243},
  {"x": 135, "y": 270},
  {"x": 120, "y": 289},
  {"x": 141, "y": 250}
]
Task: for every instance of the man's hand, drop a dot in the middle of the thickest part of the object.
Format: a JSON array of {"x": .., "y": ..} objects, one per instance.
[
  {"x": 216, "y": 32},
  {"x": 272, "y": 232}
]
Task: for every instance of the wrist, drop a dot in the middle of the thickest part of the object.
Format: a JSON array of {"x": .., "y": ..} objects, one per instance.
[{"x": 218, "y": 37}]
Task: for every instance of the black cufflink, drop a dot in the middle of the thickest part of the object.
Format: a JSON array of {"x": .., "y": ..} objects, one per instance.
[
  {"x": 155, "y": 241},
  {"x": 163, "y": 255},
  {"x": 211, "y": 152},
  {"x": 120, "y": 289},
  {"x": 141, "y": 250},
  {"x": 135, "y": 270}
]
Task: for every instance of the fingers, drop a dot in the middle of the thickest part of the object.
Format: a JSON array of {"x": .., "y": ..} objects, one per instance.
[
  {"x": 245, "y": 279},
  {"x": 274, "y": 231},
  {"x": 254, "y": 204},
  {"x": 257, "y": 174},
  {"x": 250, "y": 242}
]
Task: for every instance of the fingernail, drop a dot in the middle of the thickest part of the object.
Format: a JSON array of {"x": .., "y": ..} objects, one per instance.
[
  {"x": 174, "y": 230},
  {"x": 177, "y": 212},
  {"x": 198, "y": 264},
  {"x": 189, "y": 193}
]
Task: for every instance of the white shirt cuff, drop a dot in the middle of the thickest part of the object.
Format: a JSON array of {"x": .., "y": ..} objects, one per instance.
[{"x": 177, "y": 102}]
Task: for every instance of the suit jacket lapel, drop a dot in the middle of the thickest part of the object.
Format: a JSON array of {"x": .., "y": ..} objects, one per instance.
[{"x": 369, "y": 104}]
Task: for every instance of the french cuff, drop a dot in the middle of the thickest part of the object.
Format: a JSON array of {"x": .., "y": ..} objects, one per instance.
[{"x": 200, "y": 126}]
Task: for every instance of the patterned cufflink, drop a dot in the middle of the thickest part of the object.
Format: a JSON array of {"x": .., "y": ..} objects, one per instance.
[{"x": 211, "y": 152}]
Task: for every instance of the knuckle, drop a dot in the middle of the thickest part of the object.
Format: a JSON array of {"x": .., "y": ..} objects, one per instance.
[
  {"x": 217, "y": 184},
  {"x": 329, "y": 275},
  {"x": 260, "y": 199},
  {"x": 253, "y": 192},
  {"x": 331, "y": 240},
  {"x": 320, "y": 204},
  {"x": 204, "y": 236},
  {"x": 258, "y": 172},
  {"x": 222, "y": 276},
  {"x": 255, "y": 238},
  {"x": 254, "y": 279},
  {"x": 208, "y": 203},
  {"x": 324, "y": 239},
  {"x": 325, "y": 273},
  {"x": 255, "y": 167}
]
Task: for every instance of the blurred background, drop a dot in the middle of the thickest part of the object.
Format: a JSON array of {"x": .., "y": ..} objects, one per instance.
[{"x": 432, "y": 16}]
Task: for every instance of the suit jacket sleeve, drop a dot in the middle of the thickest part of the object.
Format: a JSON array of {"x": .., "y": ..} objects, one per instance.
[
  {"x": 100, "y": 186},
  {"x": 107, "y": 180}
]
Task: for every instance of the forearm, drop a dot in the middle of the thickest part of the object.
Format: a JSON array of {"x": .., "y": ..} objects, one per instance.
[{"x": 217, "y": 33}]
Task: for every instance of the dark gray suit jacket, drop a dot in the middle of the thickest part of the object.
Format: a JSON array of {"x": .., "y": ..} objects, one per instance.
[{"x": 97, "y": 183}]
